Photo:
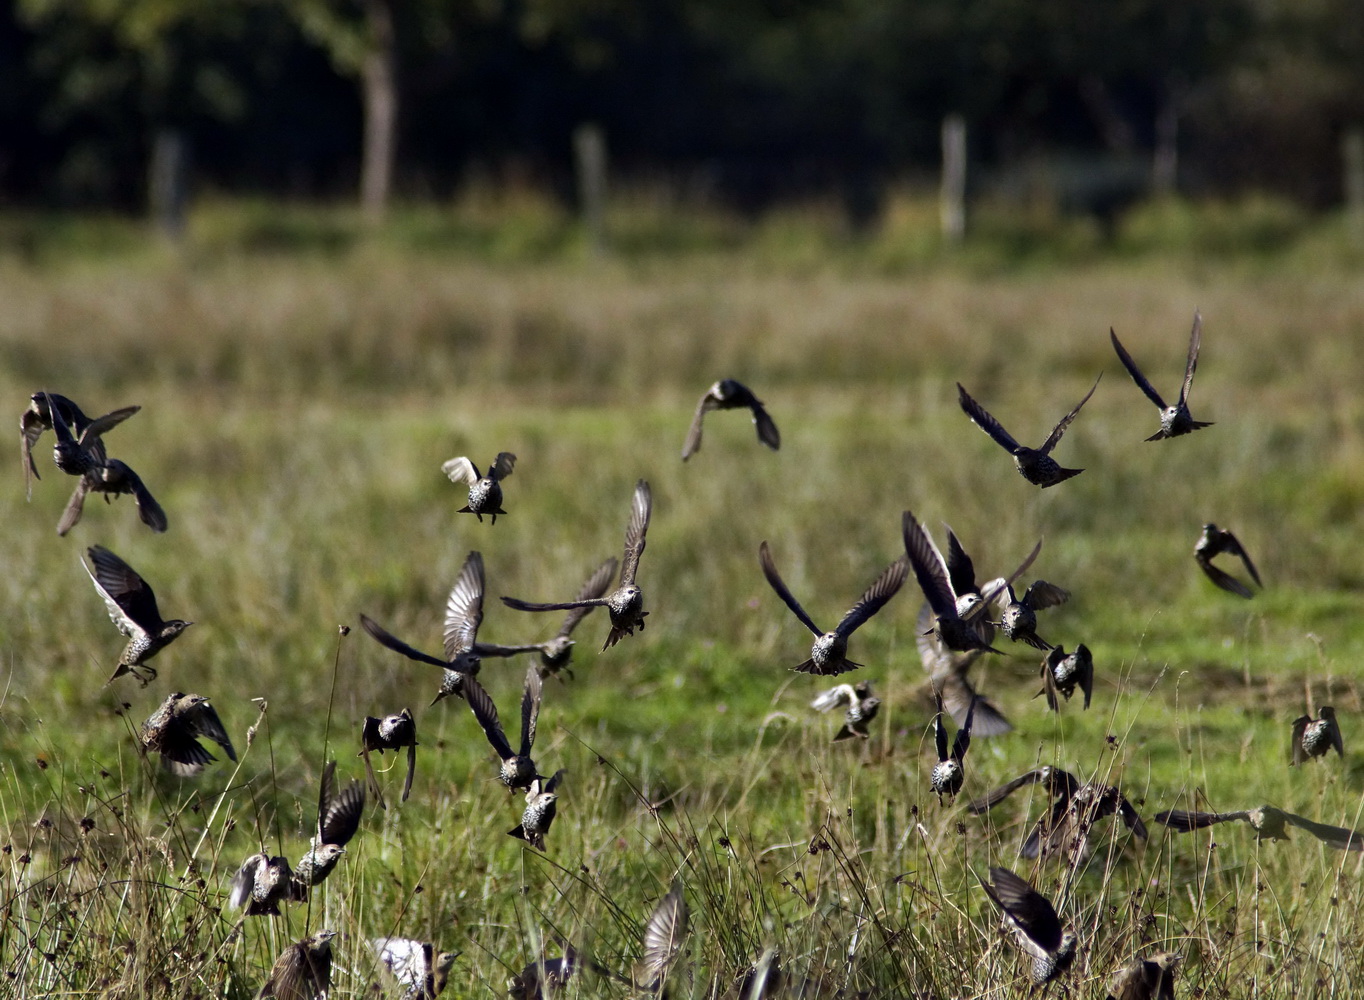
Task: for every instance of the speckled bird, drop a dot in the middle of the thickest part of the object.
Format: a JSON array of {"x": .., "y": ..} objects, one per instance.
[
  {"x": 77, "y": 452},
  {"x": 1174, "y": 420},
  {"x": 829, "y": 654},
  {"x": 518, "y": 770},
  {"x": 392, "y": 732},
  {"x": 173, "y": 731},
  {"x": 625, "y": 604},
  {"x": 1268, "y": 822},
  {"x": 338, "y": 819},
  {"x": 485, "y": 492},
  {"x": 1146, "y": 978},
  {"x": 1215, "y": 542},
  {"x": 134, "y": 612},
  {"x": 541, "y": 808},
  {"x": 1019, "y": 619},
  {"x": 38, "y": 418},
  {"x": 419, "y": 967},
  {"x": 1062, "y": 672},
  {"x": 1034, "y": 464},
  {"x": 113, "y": 478},
  {"x": 261, "y": 884},
  {"x": 1315, "y": 737},
  {"x": 303, "y": 971},
  {"x": 949, "y": 774},
  {"x": 1035, "y": 925},
  {"x": 860, "y": 704},
  {"x": 727, "y": 394}
]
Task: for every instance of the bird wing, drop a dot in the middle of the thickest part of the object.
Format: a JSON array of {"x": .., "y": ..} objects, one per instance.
[
  {"x": 998, "y": 587},
  {"x": 835, "y": 697},
  {"x": 985, "y": 422},
  {"x": 131, "y": 603},
  {"x": 1084, "y": 671},
  {"x": 767, "y": 429},
  {"x": 885, "y": 587},
  {"x": 520, "y": 605},
  {"x": 693, "y": 442},
  {"x": 530, "y": 710},
  {"x": 1232, "y": 545},
  {"x": 1333, "y": 728},
  {"x": 387, "y": 638},
  {"x": 148, "y": 509},
  {"x": 592, "y": 589},
  {"x": 962, "y": 742},
  {"x": 1224, "y": 579},
  {"x": 663, "y": 934},
  {"x": 207, "y": 724},
  {"x": 929, "y": 568},
  {"x": 774, "y": 578},
  {"x": 460, "y": 470},
  {"x": 1195, "y": 341},
  {"x": 1026, "y": 908},
  {"x": 961, "y": 571},
  {"x": 245, "y": 880},
  {"x": 1130, "y": 817},
  {"x": 1064, "y": 422},
  {"x": 641, "y": 507},
  {"x": 940, "y": 733},
  {"x": 486, "y": 713},
  {"x": 992, "y": 798},
  {"x": 1296, "y": 753},
  {"x": 31, "y": 427},
  {"x": 464, "y": 608},
  {"x": 338, "y": 816},
  {"x": 1041, "y": 594},
  {"x": 1339, "y": 837},
  {"x": 1143, "y": 383},
  {"x": 75, "y": 507},
  {"x": 103, "y": 424},
  {"x": 502, "y": 466}
]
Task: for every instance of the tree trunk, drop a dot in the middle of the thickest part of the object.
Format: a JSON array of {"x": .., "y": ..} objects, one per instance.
[{"x": 379, "y": 80}]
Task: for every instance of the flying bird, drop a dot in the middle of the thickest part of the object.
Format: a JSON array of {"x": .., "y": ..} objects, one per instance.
[
  {"x": 663, "y": 934},
  {"x": 949, "y": 774},
  {"x": 303, "y": 971},
  {"x": 36, "y": 418},
  {"x": 1075, "y": 808},
  {"x": 1146, "y": 978},
  {"x": 1174, "y": 420},
  {"x": 113, "y": 478},
  {"x": 1314, "y": 737},
  {"x": 947, "y": 675},
  {"x": 173, "y": 731},
  {"x": 829, "y": 654},
  {"x": 1214, "y": 542},
  {"x": 338, "y": 819},
  {"x": 517, "y": 770},
  {"x": 1062, "y": 672},
  {"x": 485, "y": 492},
  {"x": 1019, "y": 619},
  {"x": 728, "y": 394},
  {"x": 134, "y": 612},
  {"x": 78, "y": 452},
  {"x": 1036, "y": 927},
  {"x": 860, "y": 703},
  {"x": 541, "y": 808},
  {"x": 1268, "y": 822},
  {"x": 420, "y": 969},
  {"x": 261, "y": 884},
  {"x": 392, "y": 732},
  {"x": 625, "y": 604},
  {"x": 1034, "y": 464}
]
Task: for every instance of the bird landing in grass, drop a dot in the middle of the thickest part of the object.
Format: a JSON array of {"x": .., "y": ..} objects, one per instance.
[
  {"x": 1174, "y": 420},
  {"x": 727, "y": 394},
  {"x": 541, "y": 807},
  {"x": 1062, "y": 672},
  {"x": 1034, "y": 464},
  {"x": 485, "y": 491},
  {"x": 173, "y": 731},
  {"x": 303, "y": 971},
  {"x": 1146, "y": 978},
  {"x": 1316, "y": 737},
  {"x": 261, "y": 884},
  {"x": 1036, "y": 928},
  {"x": 517, "y": 770},
  {"x": 338, "y": 819},
  {"x": 949, "y": 774},
  {"x": 392, "y": 732},
  {"x": 133, "y": 610},
  {"x": 1019, "y": 618}
]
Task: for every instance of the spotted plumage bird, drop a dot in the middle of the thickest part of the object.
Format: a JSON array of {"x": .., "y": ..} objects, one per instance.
[
  {"x": 955, "y": 630},
  {"x": 1035, "y": 925},
  {"x": 78, "y": 452},
  {"x": 463, "y": 615},
  {"x": 134, "y": 612},
  {"x": 860, "y": 704},
  {"x": 173, "y": 731},
  {"x": 485, "y": 491},
  {"x": 392, "y": 732},
  {"x": 303, "y": 971},
  {"x": 663, "y": 936},
  {"x": 261, "y": 884},
  {"x": 338, "y": 819},
  {"x": 35, "y": 419},
  {"x": 1215, "y": 542},
  {"x": 1075, "y": 808},
  {"x": 625, "y": 604},
  {"x": 728, "y": 394},
  {"x": 1019, "y": 619},
  {"x": 1315, "y": 737},
  {"x": 541, "y": 808},
  {"x": 420, "y": 969},
  {"x": 1268, "y": 822},
  {"x": 949, "y": 774},
  {"x": 1062, "y": 672},
  {"x": 1174, "y": 420},
  {"x": 1146, "y": 978},
  {"x": 829, "y": 654},
  {"x": 1034, "y": 464},
  {"x": 518, "y": 770}
]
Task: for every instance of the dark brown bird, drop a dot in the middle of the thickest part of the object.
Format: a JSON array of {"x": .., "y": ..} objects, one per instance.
[
  {"x": 173, "y": 731},
  {"x": 1268, "y": 822},
  {"x": 728, "y": 394},
  {"x": 1146, "y": 978},
  {"x": 1034, "y": 464},
  {"x": 38, "y": 418},
  {"x": 541, "y": 808},
  {"x": 545, "y": 977},
  {"x": 338, "y": 819},
  {"x": 113, "y": 478},
  {"x": 1174, "y": 420},
  {"x": 420, "y": 969},
  {"x": 1019, "y": 619},
  {"x": 1036, "y": 927},
  {"x": 133, "y": 610},
  {"x": 625, "y": 604},
  {"x": 518, "y": 770},
  {"x": 485, "y": 492},
  {"x": 829, "y": 654},
  {"x": 949, "y": 774},
  {"x": 392, "y": 732},
  {"x": 1074, "y": 810},
  {"x": 1214, "y": 542},
  {"x": 261, "y": 884},
  {"x": 1062, "y": 672},
  {"x": 1314, "y": 737},
  {"x": 303, "y": 971},
  {"x": 77, "y": 452}
]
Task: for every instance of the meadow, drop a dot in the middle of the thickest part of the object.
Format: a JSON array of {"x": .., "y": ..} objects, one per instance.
[{"x": 298, "y": 397}]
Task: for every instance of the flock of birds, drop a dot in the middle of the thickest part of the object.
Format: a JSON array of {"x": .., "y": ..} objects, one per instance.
[{"x": 959, "y": 623}]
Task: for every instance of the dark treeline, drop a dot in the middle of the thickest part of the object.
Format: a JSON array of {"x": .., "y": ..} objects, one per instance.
[{"x": 737, "y": 101}]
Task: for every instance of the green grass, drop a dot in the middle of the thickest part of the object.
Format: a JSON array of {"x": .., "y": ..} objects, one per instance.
[{"x": 296, "y": 409}]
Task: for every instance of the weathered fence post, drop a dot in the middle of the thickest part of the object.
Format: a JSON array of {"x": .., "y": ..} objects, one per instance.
[{"x": 952, "y": 194}]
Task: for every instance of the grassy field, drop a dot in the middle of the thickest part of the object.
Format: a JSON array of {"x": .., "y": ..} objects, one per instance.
[{"x": 297, "y": 406}]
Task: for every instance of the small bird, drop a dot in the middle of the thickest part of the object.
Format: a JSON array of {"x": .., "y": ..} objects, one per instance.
[
  {"x": 1268, "y": 822},
  {"x": 463, "y": 615},
  {"x": 392, "y": 732},
  {"x": 113, "y": 478},
  {"x": 303, "y": 971},
  {"x": 545, "y": 977},
  {"x": 1034, "y": 464},
  {"x": 947, "y": 670},
  {"x": 1174, "y": 420},
  {"x": 1146, "y": 978},
  {"x": 132, "y": 608},
  {"x": 338, "y": 819},
  {"x": 1019, "y": 620},
  {"x": 38, "y": 418},
  {"x": 949, "y": 774},
  {"x": 541, "y": 808},
  {"x": 1214, "y": 542},
  {"x": 953, "y": 628},
  {"x": 78, "y": 452},
  {"x": 625, "y": 604},
  {"x": 517, "y": 770},
  {"x": 829, "y": 654},
  {"x": 261, "y": 884},
  {"x": 419, "y": 968},
  {"x": 1074, "y": 810},
  {"x": 172, "y": 731},
  {"x": 1062, "y": 671},
  {"x": 1035, "y": 925},
  {"x": 485, "y": 492},
  {"x": 1314, "y": 737},
  {"x": 861, "y": 705},
  {"x": 728, "y": 394},
  {"x": 663, "y": 935}
]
